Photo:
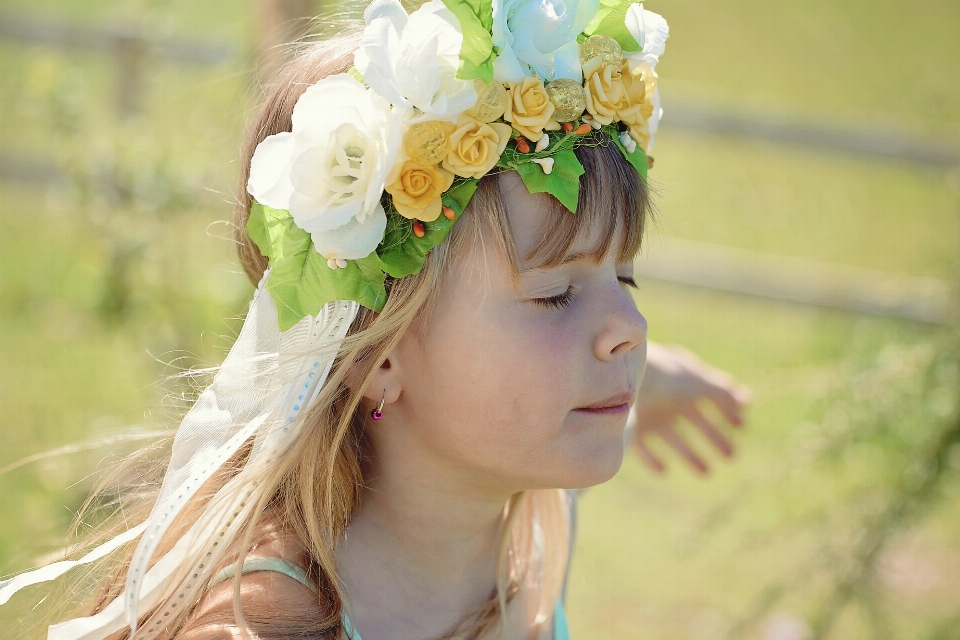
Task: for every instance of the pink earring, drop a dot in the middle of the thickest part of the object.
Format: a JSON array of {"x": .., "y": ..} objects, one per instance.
[{"x": 377, "y": 414}]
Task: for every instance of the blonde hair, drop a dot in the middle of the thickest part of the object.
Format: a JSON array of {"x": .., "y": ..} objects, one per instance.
[{"x": 315, "y": 488}]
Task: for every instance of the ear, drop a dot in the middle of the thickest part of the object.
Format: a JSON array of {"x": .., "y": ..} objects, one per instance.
[{"x": 386, "y": 382}]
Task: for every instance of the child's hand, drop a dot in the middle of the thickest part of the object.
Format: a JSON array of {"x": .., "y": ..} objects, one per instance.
[{"x": 674, "y": 384}]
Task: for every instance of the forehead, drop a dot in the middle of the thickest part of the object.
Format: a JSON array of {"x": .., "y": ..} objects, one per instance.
[{"x": 534, "y": 215}]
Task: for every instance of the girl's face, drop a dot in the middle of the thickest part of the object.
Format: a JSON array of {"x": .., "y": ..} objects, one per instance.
[{"x": 522, "y": 388}]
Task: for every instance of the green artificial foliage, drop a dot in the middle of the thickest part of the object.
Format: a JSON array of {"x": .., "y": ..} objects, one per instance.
[
  {"x": 300, "y": 281},
  {"x": 609, "y": 21},
  {"x": 563, "y": 183},
  {"x": 460, "y": 194},
  {"x": 355, "y": 73},
  {"x": 402, "y": 253},
  {"x": 638, "y": 158},
  {"x": 476, "y": 52}
]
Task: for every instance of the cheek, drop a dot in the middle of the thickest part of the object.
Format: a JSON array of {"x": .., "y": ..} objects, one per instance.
[
  {"x": 500, "y": 399},
  {"x": 518, "y": 371},
  {"x": 504, "y": 380}
]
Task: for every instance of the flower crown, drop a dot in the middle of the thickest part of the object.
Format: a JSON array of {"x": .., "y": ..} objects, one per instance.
[{"x": 383, "y": 160}]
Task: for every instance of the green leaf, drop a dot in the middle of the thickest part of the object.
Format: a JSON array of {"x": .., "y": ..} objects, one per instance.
[
  {"x": 563, "y": 183},
  {"x": 402, "y": 253},
  {"x": 257, "y": 227},
  {"x": 274, "y": 232},
  {"x": 355, "y": 73},
  {"x": 476, "y": 52},
  {"x": 300, "y": 281},
  {"x": 638, "y": 158},
  {"x": 459, "y": 196},
  {"x": 512, "y": 158},
  {"x": 609, "y": 21}
]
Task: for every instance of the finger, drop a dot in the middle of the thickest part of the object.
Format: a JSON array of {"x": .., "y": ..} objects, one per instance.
[
  {"x": 680, "y": 445},
  {"x": 709, "y": 430},
  {"x": 653, "y": 419},
  {"x": 649, "y": 459},
  {"x": 731, "y": 402}
]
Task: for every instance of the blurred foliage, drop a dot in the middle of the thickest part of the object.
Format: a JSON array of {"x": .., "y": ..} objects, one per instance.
[
  {"x": 131, "y": 191},
  {"x": 888, "y": 438},
  {"x": 840, "y": 518}
]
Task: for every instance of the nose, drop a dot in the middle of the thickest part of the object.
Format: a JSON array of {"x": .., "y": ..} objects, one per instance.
[{"x": 623, "y": 327}]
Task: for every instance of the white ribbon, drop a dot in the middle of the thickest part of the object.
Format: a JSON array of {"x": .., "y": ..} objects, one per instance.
[
  {"x": 53, "y": 571},
  {"x": 111, "y": 619}
]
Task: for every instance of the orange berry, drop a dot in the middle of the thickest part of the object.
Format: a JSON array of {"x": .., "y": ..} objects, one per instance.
[
  {"x": 522, "y": 145},
  {"x": 449, "y": 213},
  {"x": 567, "y": 127},
  {"x": 418, "y": 229},
  {"x": 582, "y": 129}
]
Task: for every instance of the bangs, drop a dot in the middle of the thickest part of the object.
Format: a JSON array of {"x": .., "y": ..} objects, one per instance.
[{"x": 613, "y": 201}]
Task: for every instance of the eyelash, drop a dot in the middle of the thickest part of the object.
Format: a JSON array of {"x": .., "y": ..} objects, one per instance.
[
  {"x": 561, "y": 300},
  {"x": 557, "y": 301}
]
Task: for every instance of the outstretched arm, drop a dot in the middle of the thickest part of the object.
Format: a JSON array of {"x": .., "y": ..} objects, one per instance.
[{"x": 675, "y": 385}]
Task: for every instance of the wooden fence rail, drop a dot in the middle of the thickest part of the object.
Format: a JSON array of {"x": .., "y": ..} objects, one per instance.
[
  {"x": 864, "y": 142},
  {"x": 797, "y": 280},
  {"x": 129, "y": 48},
  {"x": 112, "y": 39}
]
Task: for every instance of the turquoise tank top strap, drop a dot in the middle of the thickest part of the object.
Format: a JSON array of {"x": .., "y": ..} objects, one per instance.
[
  {"x": 277, "y": 565},
  {"x": 348, "y": 627},
  {"x": 560, "y": 630}
]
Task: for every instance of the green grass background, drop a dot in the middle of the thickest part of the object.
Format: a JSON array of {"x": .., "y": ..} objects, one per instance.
[{"x": 658, "y": 557}]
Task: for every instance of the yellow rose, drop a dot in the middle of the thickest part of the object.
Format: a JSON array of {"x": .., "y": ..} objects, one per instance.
[
  {"x": 640, "y": 134},
  {"x": 475, "y": 147},
  {"x": 639, "y": 83},
  {"x": 416, "y": 190},
  {"x": 605, "y": 91},
  {"x": 529, "y": 107}
]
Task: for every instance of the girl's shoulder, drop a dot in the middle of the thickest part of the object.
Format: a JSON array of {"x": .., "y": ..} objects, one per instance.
[{"x": 276, "y": 595}]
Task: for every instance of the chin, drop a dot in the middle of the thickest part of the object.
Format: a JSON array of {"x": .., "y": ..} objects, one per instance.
[
  {"x": 595, "y": 454},
  {"x": 585, "y": 467},
  {"x": 595, "y": 467}
]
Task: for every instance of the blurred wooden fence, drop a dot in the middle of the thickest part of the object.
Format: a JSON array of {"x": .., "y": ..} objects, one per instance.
[
  {"x": 680, "y": 262},
  {"x": 863, "y": 142},
  {"x": 796, "y": 280},
  {"x": 129, "y": 49}
]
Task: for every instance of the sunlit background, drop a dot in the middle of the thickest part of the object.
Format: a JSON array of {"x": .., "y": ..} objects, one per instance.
[{"x": 807, "y": 241}]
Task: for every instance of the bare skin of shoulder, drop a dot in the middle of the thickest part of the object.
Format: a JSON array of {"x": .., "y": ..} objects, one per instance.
[{"x": 266, "y": 597}]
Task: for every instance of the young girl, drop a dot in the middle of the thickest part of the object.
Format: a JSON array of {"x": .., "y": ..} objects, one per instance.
[{"x": 442, "y": 214}]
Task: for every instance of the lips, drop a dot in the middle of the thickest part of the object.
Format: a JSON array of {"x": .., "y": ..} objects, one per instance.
[{"x": 615, "y": 404}]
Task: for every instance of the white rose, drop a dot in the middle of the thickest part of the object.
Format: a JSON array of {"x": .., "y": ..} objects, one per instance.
[
  {"x": 654, "y": 122},
  {"x": 329, "y": 171},
  {"x": 412, "y": 61},
  {"x": 650, "y": 31},
  {"x": 539, "y": 37}
]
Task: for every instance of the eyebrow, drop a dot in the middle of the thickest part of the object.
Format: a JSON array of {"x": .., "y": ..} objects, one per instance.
[
  {"x": 580, "y": 255},
  {"x": 573, "y": 257}
]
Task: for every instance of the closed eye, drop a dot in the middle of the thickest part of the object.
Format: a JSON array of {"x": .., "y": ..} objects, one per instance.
[
  {"x": 557, "y": 301},
  {"x": 563, "y": 299}
]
